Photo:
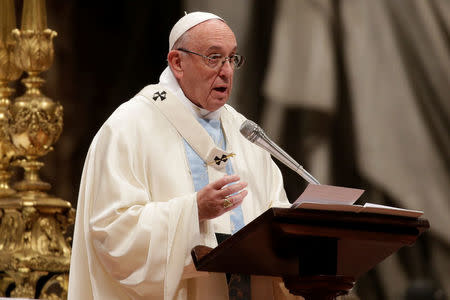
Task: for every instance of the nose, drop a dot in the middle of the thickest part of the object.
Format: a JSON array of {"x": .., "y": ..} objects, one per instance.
[{"x": 226, "y": 70}]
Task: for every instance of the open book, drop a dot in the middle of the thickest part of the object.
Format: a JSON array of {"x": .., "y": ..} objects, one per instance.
[{"x": 336, "y": 198}]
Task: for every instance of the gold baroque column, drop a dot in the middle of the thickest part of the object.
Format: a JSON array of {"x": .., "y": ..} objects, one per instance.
[
  {"x": 34, "y": 246},
  {"x": 37, "y": 120},
  {"x": 8, "y": 72}
]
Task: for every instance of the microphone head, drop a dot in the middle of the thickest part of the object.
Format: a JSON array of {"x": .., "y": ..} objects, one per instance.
[{"x": 250, "y": 130}]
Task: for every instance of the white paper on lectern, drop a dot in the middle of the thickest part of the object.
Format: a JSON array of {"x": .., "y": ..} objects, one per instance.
[
  {"x": 328, "y": 194},
  {"x": 389, "y": 210},
  {"x": 367, "y": 208},
  {"x": 337, "y": 198}
]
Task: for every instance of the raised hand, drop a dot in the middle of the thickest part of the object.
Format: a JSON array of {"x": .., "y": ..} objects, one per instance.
[{"x": 220, "y": 196}]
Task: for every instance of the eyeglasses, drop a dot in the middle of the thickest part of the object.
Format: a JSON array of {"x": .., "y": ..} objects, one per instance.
[{"x": 215, "y": 60}]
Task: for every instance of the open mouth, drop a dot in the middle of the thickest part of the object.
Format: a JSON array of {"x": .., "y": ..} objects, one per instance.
[{"x": 220, "y": 89}]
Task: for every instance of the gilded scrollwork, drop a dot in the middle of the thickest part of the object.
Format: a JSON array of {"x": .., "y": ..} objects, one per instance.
[
  {"x": 55, "y": 288},
  {"x": 5, "y": 283},
  {"x": 48, "y": 238},
  {"x": 34, "y": 226},
  {"x": 35, "y": 49},
  {"x": 35, "y": 126},
  {"x": 9, "y": 71},
  {"x": 36, "y": 120},
  {"x": 32, "y": 244},
  {"x": 25, "y": 282},
  {"x": 11, "y": 229},
  {"x": 25, "y": 289}
]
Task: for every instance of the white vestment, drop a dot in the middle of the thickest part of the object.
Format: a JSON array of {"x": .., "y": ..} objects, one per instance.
[{"x": 137, "y": 218}]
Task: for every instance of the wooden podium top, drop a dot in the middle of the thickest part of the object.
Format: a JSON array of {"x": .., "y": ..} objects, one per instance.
[{"x": 302, "y": 242}]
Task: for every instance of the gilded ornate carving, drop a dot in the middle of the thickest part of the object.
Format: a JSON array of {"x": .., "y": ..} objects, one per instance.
[
  {"x": 8, "y": 69},
  {"x": 56, "y": 288},
  {"x": 34, "y": 246},
  {"x": 36, "y": 120},
  {"x": 36, "y": 124},
  {"x": 5, "y": 283},
  {"x": 25, "y": 281},
  {"x": 8, "y": 72},
  {"x": 11, "y": 222},
  {"x": 35, "y": 49}
]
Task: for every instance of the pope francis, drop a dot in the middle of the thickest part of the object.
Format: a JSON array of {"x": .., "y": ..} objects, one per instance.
[{"x": 168, "y": 171}]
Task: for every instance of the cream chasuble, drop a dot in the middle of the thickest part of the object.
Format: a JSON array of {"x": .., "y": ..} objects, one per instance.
[{"x": 137, "y": 216}]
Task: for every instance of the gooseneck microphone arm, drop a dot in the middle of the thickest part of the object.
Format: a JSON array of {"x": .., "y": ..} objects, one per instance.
[{"x": 251, "y": 131}]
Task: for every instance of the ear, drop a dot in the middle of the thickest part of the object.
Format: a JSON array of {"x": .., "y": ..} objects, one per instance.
[{"x": 174, "y": 60}]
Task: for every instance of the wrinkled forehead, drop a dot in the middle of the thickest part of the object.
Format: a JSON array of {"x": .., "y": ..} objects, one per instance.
[{"x": 212, "y": 33}]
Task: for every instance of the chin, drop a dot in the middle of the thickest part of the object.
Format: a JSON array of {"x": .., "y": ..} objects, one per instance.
[{"x": 217, "y": 105}]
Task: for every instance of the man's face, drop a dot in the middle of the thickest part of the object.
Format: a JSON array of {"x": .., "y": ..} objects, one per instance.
[{"x": 207, "y": 87}]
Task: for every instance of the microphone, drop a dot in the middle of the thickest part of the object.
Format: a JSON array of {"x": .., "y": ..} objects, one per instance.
[{"x": 252, "y": 132}]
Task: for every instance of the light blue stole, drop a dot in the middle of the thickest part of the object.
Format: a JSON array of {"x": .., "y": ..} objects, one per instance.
[
  {"x": 199, "y": 170},
  {"x": 239, "y": 284}
]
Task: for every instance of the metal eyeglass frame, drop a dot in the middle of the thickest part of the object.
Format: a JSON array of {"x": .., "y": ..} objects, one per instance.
[{"x": 224, "y": 59}]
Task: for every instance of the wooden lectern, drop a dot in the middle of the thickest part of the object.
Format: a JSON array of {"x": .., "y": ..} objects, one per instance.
[{"x": 319, "y": 254}]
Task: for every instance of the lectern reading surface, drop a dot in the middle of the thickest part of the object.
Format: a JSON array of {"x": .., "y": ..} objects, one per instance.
[{"x": 319, "y": 254}]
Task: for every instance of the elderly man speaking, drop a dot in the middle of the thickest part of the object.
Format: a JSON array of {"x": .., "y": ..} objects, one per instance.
[{"x": 168, "y": 171}]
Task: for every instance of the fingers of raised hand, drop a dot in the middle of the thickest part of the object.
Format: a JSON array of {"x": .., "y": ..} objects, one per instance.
[
  {"x": 220, "y": 183},
  {"x": 231, "y": 189},
  {"x": 236, "y": 199},
  {"x": 220, "y": 196}
]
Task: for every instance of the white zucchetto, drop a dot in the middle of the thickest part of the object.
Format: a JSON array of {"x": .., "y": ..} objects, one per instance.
[{"x": 187, "y": 22}]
